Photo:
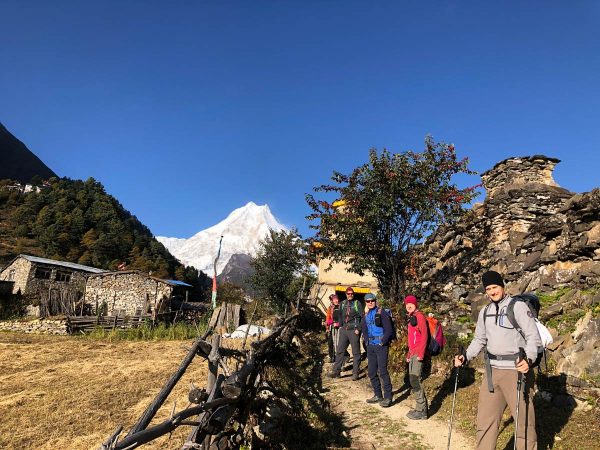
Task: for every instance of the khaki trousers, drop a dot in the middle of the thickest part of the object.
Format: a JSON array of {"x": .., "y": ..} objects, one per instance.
[
  {"x": 415, "y": 370},
  {"x": 492, "y": 405}
]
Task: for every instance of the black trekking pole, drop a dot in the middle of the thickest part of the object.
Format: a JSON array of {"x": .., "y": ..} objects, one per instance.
[
  {"x": 522, "y": 356},
  {"x": 461, "y": 351}
]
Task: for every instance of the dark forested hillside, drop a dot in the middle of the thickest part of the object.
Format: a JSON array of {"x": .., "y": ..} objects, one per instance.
[
  {"x": 77, "y": 221},
  {"x": 17, "y": 162}
]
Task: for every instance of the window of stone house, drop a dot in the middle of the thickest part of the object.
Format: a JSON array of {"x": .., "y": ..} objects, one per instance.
[
  {"x": 42, "y": 273},
  {"x": 63, "y": 276},
  {"x": 11, "y": 275}
]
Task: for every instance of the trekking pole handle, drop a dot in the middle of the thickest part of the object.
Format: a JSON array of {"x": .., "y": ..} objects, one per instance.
[
  {"x": 522, "y": 355},
  {"x": 461, "y": 352}
]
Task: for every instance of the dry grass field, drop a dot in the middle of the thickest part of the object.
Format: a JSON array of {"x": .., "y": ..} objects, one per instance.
[{"x": 72, "y": 392}]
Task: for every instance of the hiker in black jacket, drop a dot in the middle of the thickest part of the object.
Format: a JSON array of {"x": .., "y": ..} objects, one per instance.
[
  {"x": 349, "y": 333},
  {"x": 377, "y": 333}
]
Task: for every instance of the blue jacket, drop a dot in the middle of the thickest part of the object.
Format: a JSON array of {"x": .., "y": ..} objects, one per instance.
[{"x": 369, "y": 322}]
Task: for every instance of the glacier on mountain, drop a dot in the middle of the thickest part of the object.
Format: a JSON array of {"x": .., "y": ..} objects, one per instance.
[{"x": 242, "y": 231}]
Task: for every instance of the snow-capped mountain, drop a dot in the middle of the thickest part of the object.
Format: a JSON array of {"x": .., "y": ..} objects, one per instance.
[{"x": 242, "y": 230}]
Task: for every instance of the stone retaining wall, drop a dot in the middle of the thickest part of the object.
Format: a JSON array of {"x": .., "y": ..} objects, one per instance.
[{"x": 39, "y": 326}]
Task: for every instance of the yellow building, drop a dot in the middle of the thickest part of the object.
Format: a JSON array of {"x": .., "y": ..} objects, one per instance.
[{"x": 336, "y": 280}]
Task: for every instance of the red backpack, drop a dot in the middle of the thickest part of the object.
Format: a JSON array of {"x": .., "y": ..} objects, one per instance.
[{"x": 435, "y": 340}]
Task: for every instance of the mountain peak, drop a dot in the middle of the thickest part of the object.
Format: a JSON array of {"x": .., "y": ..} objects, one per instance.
[
  {"x": 242, "y": 230},
  {"x": 19, "y": 163}
]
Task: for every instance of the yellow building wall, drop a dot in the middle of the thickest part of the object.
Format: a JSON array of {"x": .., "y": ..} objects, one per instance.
[{"x": 339, "y": 277}]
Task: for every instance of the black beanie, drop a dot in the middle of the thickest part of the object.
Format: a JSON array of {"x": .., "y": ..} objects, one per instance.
[{"x": 492, "y": 277}]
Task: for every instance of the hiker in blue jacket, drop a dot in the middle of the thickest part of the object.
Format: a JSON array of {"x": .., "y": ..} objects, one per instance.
[{"x": 377, "y": 334}]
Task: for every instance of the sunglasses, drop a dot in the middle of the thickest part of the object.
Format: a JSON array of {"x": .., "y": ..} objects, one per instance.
[{"x": 369, "y": 301}]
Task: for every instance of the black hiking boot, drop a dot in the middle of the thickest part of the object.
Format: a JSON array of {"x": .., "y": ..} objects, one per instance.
[
  {"x": 417, "y": 415},
  {"x": 354, "y": 377},
  {"x": 385, "y": 403},
  {"x": 374, "y": 399}
]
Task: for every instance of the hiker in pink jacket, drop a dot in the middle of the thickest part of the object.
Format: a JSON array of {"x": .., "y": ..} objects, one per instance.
[{"x": 417, "y": 348}]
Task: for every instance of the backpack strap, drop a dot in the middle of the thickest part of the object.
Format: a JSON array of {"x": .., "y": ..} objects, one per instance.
[
  {"x": 486, "y": 357},
  {"x": 510, "y": 314}
]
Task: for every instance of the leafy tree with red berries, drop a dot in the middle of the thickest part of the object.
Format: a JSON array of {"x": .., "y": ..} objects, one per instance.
[{"x": 385, "y": 208}]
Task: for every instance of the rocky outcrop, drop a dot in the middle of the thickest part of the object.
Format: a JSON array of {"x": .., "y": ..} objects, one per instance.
[
  {"x": 541, "y": 237},
  {"x": 580, "y": 352}
]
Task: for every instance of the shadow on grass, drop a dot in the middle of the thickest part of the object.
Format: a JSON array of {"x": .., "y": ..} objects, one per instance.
[
  {"x": 312, "y": 423},
  {"x": 466, "y": 377},
  {"x": 551, "y": 417}
]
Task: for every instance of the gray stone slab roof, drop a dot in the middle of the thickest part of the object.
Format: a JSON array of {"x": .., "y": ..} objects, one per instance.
[
  {"x": 53, "y": 262},
  {"x": 105, "y": 273}
]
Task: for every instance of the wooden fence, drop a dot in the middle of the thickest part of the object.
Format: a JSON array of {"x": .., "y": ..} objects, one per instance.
[{"x": 83, "y": 324}]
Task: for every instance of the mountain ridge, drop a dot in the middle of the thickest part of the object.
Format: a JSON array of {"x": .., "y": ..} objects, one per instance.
[{"x": 18, "y": 162}]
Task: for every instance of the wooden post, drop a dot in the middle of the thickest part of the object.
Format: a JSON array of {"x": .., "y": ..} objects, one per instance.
[
  {"x": 249, "y": 323},
  {"x": 213, "y": 369},
  {"x": 213, "y": 361}
]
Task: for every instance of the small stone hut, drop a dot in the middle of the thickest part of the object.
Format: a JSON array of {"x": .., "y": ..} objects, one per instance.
[
  {"x": 32, "y": 275},
  {"x": 129, "y": 292}
]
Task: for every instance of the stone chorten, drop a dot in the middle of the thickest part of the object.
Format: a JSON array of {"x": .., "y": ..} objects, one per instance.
[{"x": 524, "y": 170}]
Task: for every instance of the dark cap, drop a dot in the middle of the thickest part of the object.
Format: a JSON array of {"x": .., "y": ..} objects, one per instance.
[
  {"x": 349, "y": 290},
  {"x": 492, "y": 277}
]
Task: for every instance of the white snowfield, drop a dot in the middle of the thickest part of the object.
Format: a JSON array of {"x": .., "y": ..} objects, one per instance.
[
  {"x": 254, "y": 330},
  {"x": 242, "y": 230}
]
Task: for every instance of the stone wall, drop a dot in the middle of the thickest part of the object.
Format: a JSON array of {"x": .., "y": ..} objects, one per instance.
[
  {"x": 541, "y": 237},
  {"x": 41, "y": 326},
  {"x": 21, "y": 268},
  {"x": 127, "y": 292}
]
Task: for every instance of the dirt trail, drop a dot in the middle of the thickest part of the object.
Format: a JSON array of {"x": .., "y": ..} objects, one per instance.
[{"x": 373, "y": 427}]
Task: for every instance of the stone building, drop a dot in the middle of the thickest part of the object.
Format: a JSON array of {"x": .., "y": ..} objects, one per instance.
[
  {"x": 130, "y": 292},
  {"x": 32, "y": 276}
]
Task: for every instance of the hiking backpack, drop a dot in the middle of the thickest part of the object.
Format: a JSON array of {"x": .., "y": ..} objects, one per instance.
[
  {"x": 435, "y": 339},
  {"x": 391, "y": 316}
]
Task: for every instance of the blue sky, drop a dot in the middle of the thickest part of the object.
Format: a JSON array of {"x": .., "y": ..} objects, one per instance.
[{"x": 186, "y": 110}]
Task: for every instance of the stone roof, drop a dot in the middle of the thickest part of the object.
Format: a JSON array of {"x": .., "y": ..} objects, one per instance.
[
  {"x": 127, "y": 272},
  {"x": 53, "y": 262}
]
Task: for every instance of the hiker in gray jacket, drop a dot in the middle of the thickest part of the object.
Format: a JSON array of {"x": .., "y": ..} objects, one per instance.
[{"x": 501, "y": 342}]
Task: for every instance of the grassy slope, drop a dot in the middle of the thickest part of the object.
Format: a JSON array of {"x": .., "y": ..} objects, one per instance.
[{"x": 68, "y": 392}]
